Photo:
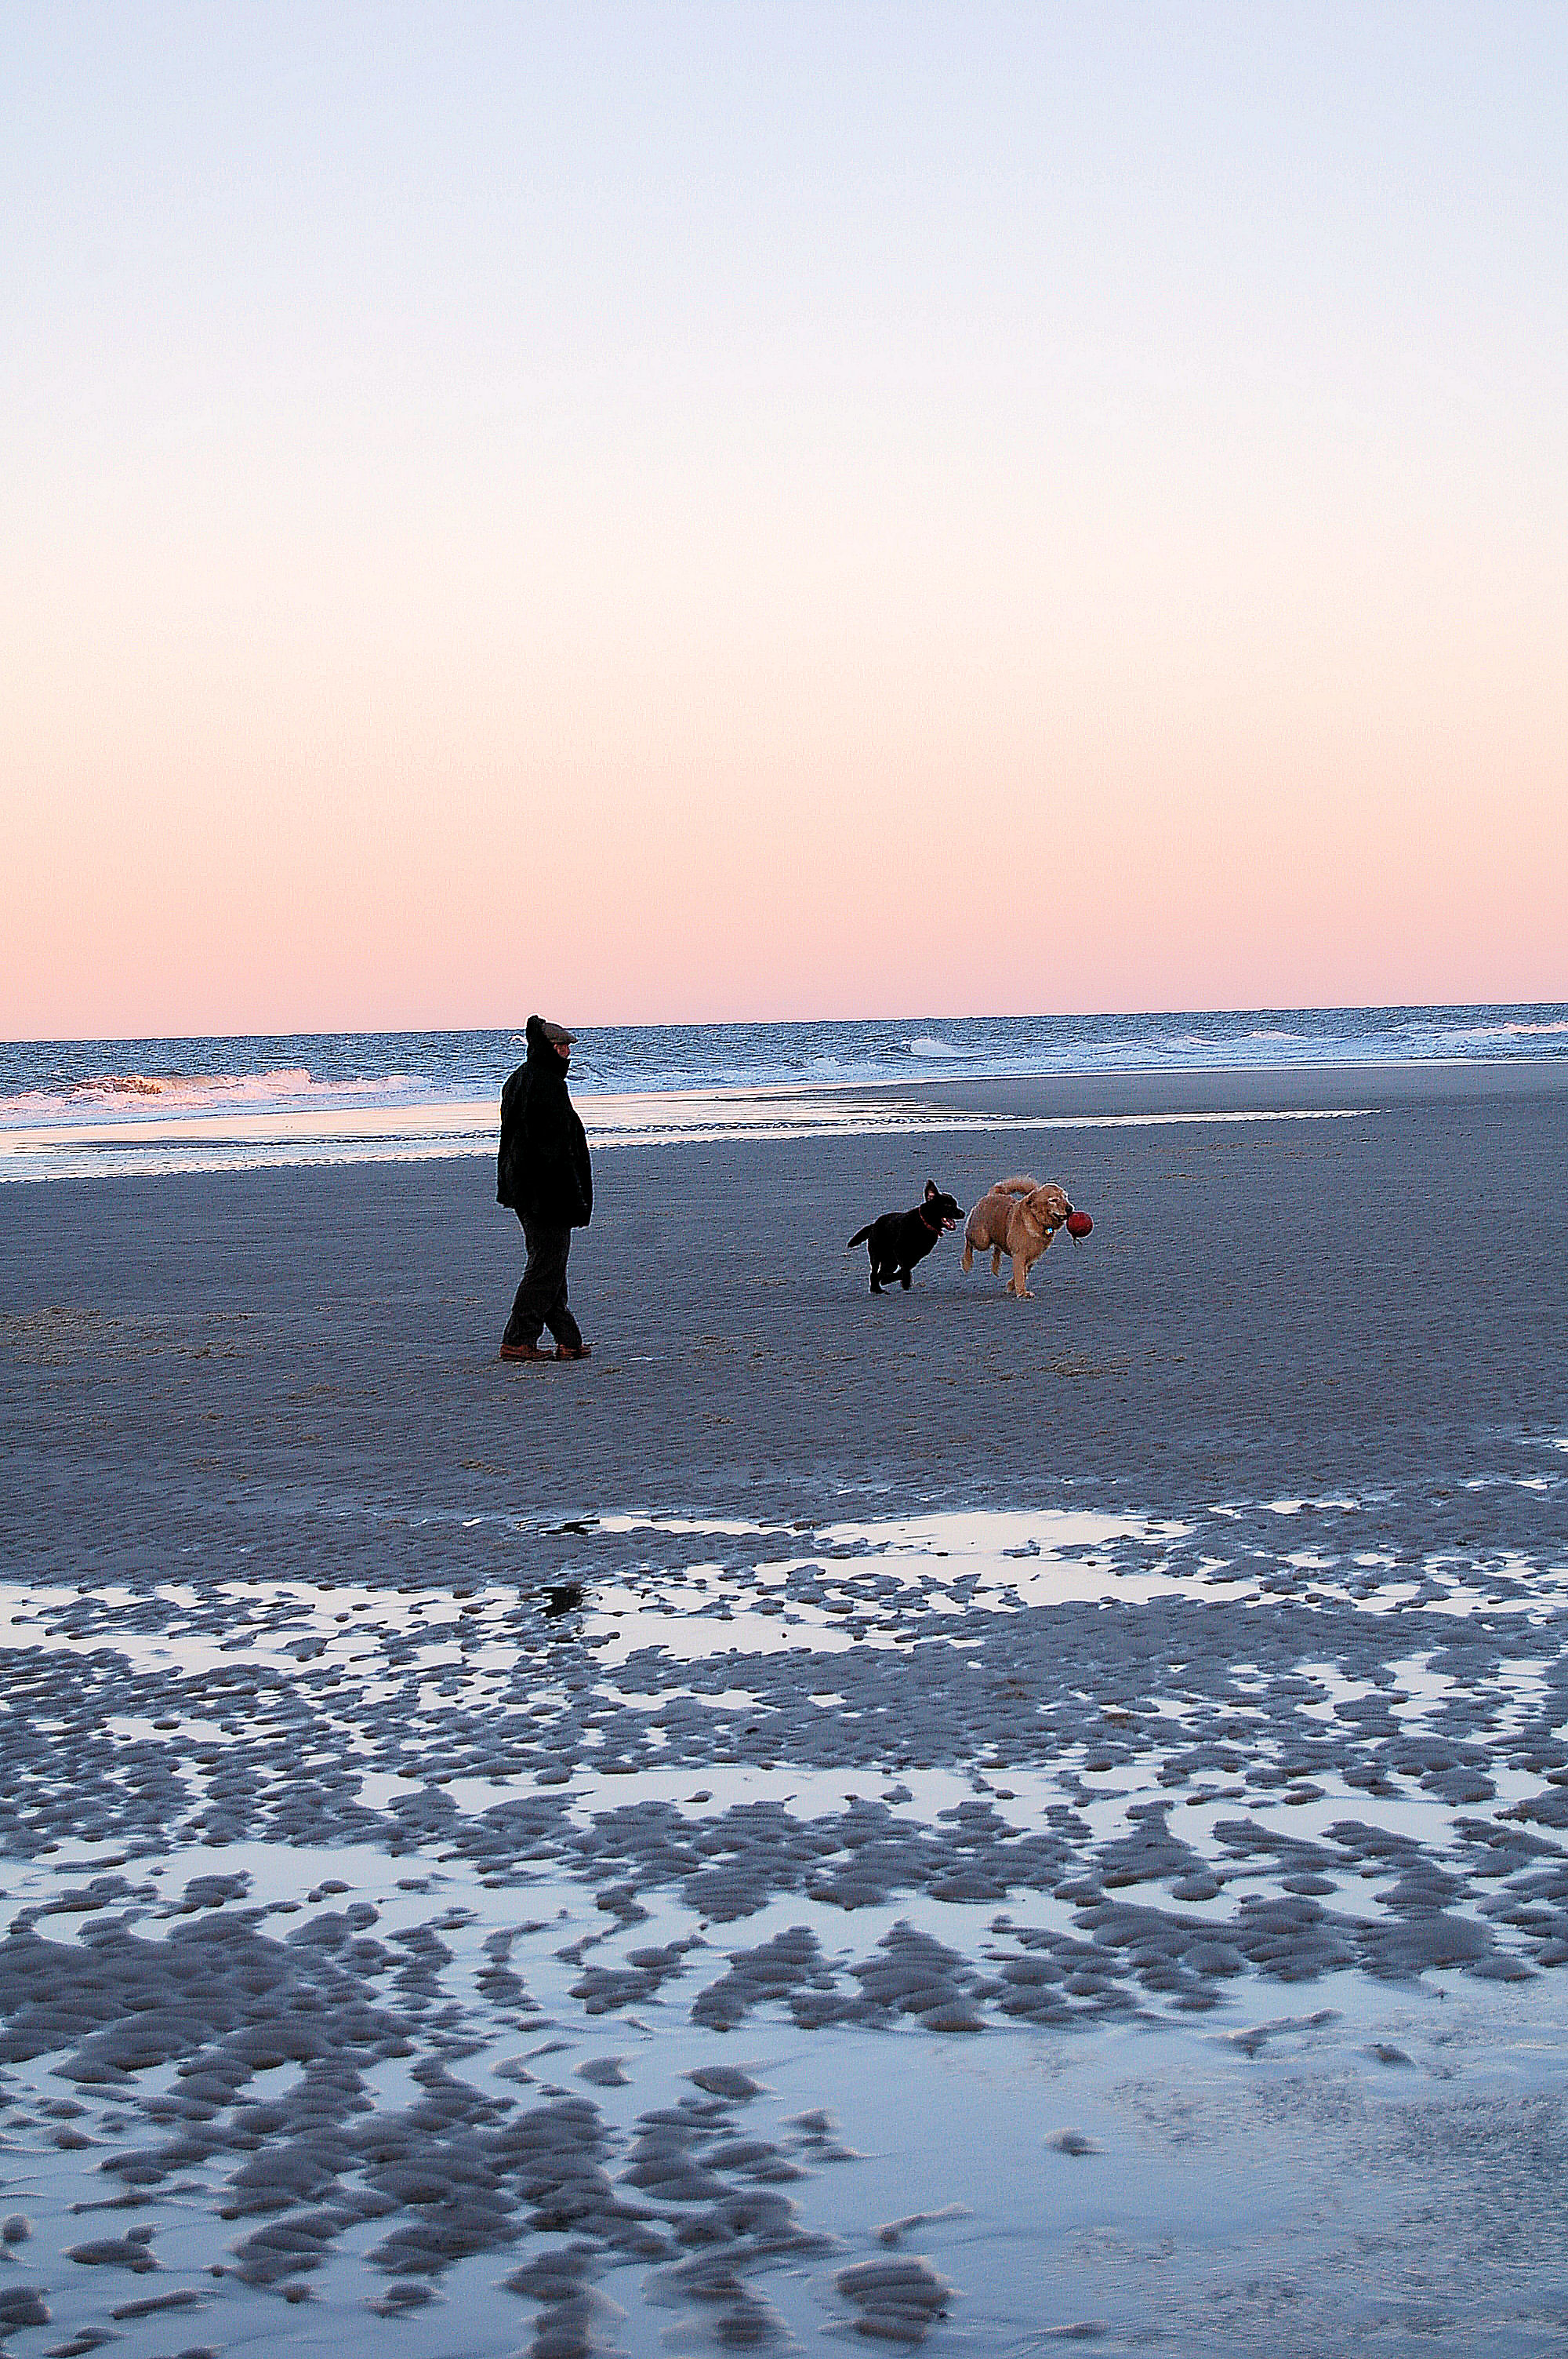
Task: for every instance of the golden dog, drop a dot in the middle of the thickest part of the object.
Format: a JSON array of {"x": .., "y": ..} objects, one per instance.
[{"x": 1018, "y": 1217}]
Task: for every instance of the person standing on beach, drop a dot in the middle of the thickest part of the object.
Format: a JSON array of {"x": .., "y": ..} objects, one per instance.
[{"x": 543, "y": 1175}]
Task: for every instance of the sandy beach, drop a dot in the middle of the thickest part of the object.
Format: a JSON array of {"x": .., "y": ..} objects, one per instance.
[
  {"x": 931, "y": 1816},
  {"x": 1372, "y": 1296}
]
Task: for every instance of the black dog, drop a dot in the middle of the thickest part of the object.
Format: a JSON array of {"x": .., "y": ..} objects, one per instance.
[{"x": 899, "y": 1240}]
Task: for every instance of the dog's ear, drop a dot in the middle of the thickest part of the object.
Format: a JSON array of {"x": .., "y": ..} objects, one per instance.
[{"x": 932, "y": 1190}]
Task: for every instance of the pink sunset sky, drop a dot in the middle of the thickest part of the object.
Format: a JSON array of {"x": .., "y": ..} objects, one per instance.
[{"x": 689, "y": 512}]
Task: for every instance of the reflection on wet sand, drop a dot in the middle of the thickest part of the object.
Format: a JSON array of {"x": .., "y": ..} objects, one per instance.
[{"x": 970, "y": 1781}]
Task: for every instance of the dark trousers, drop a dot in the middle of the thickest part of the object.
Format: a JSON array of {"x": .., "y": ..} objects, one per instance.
[{"x": 541, "y": 1299}]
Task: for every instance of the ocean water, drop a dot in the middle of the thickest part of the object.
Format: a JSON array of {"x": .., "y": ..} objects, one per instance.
[{"x": 73, "y": 1107}]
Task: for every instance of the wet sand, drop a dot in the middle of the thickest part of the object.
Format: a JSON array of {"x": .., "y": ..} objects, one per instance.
[
  {"x": 1379, "y": 1300},
  {"x": 1099, "y": 1763}
]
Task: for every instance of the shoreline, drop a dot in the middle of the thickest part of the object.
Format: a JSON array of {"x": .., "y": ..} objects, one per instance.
[
  {"x": 1238, "y": 1089},
  {"x": 464, "y": 1130}
]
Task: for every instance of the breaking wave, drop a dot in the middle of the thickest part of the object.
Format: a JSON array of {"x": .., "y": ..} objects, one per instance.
[{"x": 129, "y": 1095}]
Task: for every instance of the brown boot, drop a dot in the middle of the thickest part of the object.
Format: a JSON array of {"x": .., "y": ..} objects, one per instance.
[
  {"x": 524, "y": 1351},
  {"x": 574, "y": 1351}
]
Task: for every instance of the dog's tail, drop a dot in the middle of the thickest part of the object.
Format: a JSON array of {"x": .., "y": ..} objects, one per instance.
[
  {"x": 859, "y": 1238},
  {"x": 1021, "y": 1184}
]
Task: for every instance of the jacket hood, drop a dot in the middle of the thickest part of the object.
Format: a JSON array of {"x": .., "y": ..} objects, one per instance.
[{"x": 538, "y": 1046}]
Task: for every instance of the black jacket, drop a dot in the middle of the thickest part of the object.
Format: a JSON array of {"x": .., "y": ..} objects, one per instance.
[{"x": 542, "y": 1169}]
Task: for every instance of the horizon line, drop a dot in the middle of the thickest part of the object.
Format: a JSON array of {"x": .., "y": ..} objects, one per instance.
[{"x": 762, "y": 1023}]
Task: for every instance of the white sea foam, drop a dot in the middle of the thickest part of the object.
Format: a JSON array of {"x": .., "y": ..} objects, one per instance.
[
  {"x": 1472, "y": 1036},
  {"x": 156, "y": 1097},
  {"x": 351, "y": 1131}
]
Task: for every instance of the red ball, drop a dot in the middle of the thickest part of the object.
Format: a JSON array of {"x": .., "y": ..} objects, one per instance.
[{"x": 1078, "y": 1224}]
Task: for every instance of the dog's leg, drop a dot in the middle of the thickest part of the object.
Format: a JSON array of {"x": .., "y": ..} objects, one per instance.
[
  {"x": 904, "y": 1279},
  {"x": 1021, "y": 1278},
  {"x": 996, "y": 1261},
  {"x": 969, "y": 1255}
]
